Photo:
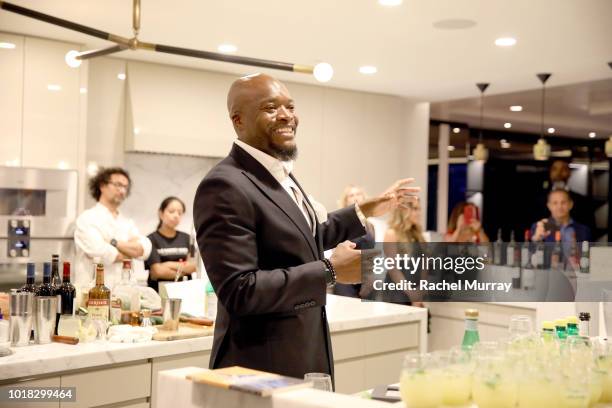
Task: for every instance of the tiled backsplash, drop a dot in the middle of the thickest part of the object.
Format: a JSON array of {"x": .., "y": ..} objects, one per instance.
[{"x": 157, "y": 176}]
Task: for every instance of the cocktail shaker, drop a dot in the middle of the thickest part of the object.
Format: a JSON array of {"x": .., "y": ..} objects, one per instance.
[
  {"x": 44, "y": 318},
  {"x": 21, "y": 305}
]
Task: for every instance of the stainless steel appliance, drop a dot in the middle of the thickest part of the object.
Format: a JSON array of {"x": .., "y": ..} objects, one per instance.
[{"x": 38, "y": 208}]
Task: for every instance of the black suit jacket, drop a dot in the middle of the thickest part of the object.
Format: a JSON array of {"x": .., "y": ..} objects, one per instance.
[{"x": 265, "y": 266}]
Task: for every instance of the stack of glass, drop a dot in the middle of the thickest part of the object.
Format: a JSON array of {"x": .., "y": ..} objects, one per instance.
[{"x": 526, "y": 370}]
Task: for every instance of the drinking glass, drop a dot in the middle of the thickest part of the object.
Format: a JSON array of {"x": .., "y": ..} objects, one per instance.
[
  {"x": 320, "y": 381},
  {"x": 494, "y": 384},
  {"x": 604, "y": 364},
  {"x": 420, "y": 381},
  {"x": 456, "y": 376},
  {"x": 520, "y": 326},
  {"x": 607, "y": 309}
]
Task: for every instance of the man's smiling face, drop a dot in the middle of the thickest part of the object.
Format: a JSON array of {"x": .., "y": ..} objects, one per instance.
[{"x": 264, "y": 117}]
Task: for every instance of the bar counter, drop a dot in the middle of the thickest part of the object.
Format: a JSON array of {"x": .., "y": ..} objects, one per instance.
[{"x": 369, "y": 339}]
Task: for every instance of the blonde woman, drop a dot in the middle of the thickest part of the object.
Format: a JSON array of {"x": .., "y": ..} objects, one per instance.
[
  {"x": 403, "y": 236},
  {"x": 350, "y": 196}
]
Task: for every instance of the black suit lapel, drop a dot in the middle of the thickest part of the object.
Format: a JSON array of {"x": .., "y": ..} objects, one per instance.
[{"x": 271, "y": 188}]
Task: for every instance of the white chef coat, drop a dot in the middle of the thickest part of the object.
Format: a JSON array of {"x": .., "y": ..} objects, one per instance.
[{"x": 95, "y": 228}]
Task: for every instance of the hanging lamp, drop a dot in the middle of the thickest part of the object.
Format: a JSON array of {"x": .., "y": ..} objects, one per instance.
[
  {"x": 541, "y": 150},
  {"x": 480, "y": 151}
]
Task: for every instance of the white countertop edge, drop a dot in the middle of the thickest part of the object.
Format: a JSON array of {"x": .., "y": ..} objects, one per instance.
[{"x": 35, "y": 360}]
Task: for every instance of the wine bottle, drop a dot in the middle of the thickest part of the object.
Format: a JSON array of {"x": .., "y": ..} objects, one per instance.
[
  {"x": 30, "y": 286},
  {"x": 67, "y": 291},
  {"x": 45, "y": 288}
]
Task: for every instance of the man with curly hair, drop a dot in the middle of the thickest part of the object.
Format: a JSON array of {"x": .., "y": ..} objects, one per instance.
[{"x": 103, "y": 232}]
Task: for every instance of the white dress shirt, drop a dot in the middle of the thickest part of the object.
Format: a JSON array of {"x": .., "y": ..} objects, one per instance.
[
  {"x": 280, "y": 170},
  {"x": 95, "y": 228}
]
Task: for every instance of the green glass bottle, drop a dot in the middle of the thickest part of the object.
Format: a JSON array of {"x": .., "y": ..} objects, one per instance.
[
  {"x": 548, "y": 332},
  {"x": 561, "y": 328},
  {"x": 572, "y": 326},
  {"x": 470, "y": 337}
]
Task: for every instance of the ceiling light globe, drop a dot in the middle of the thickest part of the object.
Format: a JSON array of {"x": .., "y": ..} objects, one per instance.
[
  {"x": 323, "y": 72},
  {"x": 71, "y": 59}
]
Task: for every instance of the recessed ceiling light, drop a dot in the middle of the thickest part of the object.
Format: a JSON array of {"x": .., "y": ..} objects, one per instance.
[
  {"x": 505, "y": 145},
  {"x": 505, "y": 42},
  {"x": 451, "y": 148},
  {"x": 503, "y": 141},
  {"x": 454, "y": 24},
  {"x": 456, "y": 130},
  {"x": 227, "y": 48},
  {"x": 62, "y": 165},
  {"x": 121, "y": 76},
  {"x": 7, "y": 45},
  {"x": 92, "y": 168},
  {"x": 551, "y": 130},
  {"x": 54, "y": 87},
  {"x": 592, "y": 135},
  {"x": 389, "y": 3},
  {"x": 516, "y": 108},
  {"x": 368, "y": 70},
  {"x": 83, "y": 90},
  {"x": 507, "y": 125}
]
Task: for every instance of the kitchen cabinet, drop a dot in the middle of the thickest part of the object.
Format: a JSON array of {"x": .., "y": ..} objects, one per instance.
[
  {"x": 11, "y": 98},
  {"x": 51, "y": 98}
]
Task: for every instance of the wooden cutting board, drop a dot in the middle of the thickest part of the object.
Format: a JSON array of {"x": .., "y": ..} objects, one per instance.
[{"x": 185, "y": 331}]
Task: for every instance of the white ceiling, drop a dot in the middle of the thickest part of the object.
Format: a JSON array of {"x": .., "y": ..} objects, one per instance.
[
  {"x": 571, "y": 38},
  {"x": 573, "y": 110}
]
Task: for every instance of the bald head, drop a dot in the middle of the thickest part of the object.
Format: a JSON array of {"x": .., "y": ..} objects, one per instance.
[
  {"x": 247, "y": 88},
  {"x": 263, "y": 115}
]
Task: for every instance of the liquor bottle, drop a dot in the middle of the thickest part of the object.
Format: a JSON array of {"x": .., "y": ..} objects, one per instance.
[
  {"x": 511, "y": 252},
  {"x": 572, "y": 326},
  {"x": 29, "y": 286},
  {"x": 98, "y": 302},
  {"x": 557, "y": 253},
  {"x": 585, "y": 257},
  {"x": 211, "y": 302},
  {"x": 538, "y": 259},
  {"x": 585, "y": 324},
  {"x": 548, "y": 332},
  {"x": 561, "y": 329},
  {"x": 471, "y": 336},
  {"x": 67, "y": 291},
  {"x": 573, "y": 258},
  {"x": 498, "y": 249},
  {"x": 55, "y": 277},
  {"x": 56, "y": 282},
  {"x": 45, "y": 288},
  {"x": 527, "y": 272},
  {"x": 129, "y": 295}
]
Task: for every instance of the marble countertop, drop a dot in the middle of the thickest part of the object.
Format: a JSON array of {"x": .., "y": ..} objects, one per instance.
[{"x": 343, "y": 314}]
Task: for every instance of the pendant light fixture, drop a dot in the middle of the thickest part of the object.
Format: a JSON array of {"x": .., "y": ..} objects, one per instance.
[
  {"x": 480, "y": 151},
  {"x": 541, "y": 150},
  {"x": 322, "y": 72}
]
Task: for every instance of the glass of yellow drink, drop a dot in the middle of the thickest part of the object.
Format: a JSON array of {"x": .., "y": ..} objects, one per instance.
[
  {"x": 420, "y": 381},
  {"x": 456, "y": 377}
]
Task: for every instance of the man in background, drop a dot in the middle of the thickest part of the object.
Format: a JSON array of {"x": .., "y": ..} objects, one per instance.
[
  {"x": 103, "y": 233},
  {"x": 560, "y": 205},
  {"x": 559, "y": 175}
]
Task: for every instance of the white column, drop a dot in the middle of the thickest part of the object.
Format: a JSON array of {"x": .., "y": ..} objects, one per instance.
[
  {"x": 415, "y": 148},
  {"x": 442, "y": 193}
]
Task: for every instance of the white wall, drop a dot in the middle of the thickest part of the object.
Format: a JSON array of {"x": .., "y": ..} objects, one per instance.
[{"x": 344, "y": 137}]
